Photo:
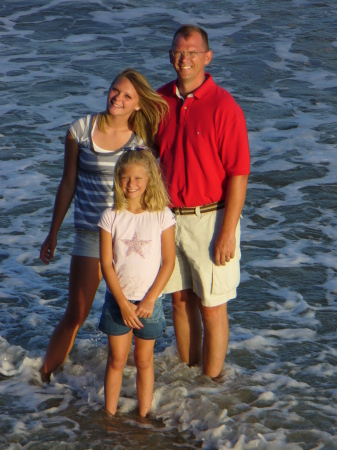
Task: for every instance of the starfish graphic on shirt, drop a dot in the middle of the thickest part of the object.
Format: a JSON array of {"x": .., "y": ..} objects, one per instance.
[{"x": 135, "y": 245}]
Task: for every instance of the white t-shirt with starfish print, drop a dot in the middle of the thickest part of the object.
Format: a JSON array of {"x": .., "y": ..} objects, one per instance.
[{"x": 136, "y": 241}]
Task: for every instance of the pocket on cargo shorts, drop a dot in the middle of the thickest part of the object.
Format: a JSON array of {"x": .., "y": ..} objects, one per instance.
[{"x": 226, "y": 278}]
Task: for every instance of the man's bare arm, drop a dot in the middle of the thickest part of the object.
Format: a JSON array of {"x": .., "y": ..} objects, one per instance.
[{"x": 235, "y": 198}]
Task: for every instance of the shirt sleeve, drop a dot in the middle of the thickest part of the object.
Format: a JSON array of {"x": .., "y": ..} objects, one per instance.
[
  {"x": 80, "y": 129},
  {"x": 107, "y": 219},
  {"x": 233, "y": 143},
  {"x": 76, "y": 129},
  {"x": 167, "y": 219}
]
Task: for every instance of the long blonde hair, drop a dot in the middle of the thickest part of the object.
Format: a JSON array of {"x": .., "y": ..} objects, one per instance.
[
  {"x": 155, "y": 195},
  {"x": 145, "y": 121}
]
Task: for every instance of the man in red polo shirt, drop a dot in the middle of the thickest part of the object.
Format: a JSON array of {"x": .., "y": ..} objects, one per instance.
[{"x": 204, "y": 154}]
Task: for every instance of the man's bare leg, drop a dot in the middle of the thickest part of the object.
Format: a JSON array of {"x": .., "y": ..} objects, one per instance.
[
  {"x": 216, "y": 335},
  {"x": 187, "y": 325}
]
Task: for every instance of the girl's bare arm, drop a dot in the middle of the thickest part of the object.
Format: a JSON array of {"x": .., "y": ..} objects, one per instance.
[{"x": 64, "y": 196}]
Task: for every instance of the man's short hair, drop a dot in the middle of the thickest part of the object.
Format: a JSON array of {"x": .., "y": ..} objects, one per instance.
[{"x": 187, "y": 30}]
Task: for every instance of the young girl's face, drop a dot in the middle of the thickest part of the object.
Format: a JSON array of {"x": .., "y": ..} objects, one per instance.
[{"x": 133, "y": 181}]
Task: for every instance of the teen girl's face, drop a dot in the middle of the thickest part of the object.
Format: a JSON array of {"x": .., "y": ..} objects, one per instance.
[
  {"x": 123, "y": 99},
  {"x": 133, "y": 181}
]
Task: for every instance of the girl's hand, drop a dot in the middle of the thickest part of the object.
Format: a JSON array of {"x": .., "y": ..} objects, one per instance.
[
  {"x": 145, "y": 308},
  {"x": 130, "y": 318},
  {"x": 48, "y": 249}
]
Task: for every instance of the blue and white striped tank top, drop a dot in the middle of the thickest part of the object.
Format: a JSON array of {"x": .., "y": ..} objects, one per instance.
[{"x": 95, "y": 174}]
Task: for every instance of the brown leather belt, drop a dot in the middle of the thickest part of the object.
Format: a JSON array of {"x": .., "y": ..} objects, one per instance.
[{"x": 200, "y": 209}]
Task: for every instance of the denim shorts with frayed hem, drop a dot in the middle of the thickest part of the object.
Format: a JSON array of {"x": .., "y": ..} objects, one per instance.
[{"x": 112, "y": 323}]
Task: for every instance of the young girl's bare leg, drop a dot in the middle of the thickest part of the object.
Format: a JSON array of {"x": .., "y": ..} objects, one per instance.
[
  {"x": 119, "y": 348},
  {"x": 145, "y": 373}
]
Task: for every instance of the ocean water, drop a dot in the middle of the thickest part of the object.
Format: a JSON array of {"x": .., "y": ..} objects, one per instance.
[{"x": 279, "y": 387}]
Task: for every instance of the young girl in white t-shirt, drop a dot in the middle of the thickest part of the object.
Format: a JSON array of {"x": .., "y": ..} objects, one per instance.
[{"x": 137, "y": 252}]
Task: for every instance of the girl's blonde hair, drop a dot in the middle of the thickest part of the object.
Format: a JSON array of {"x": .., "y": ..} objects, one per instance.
[
  {"x": 155, "y": 195},
  {"x": 145, "y": 121}
]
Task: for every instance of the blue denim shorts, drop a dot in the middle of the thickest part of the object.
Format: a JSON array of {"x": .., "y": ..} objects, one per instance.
[{"x": 112, "y": 323}]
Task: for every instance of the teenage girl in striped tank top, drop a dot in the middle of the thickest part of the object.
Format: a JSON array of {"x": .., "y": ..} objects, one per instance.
[{"x": 92, "y": 147}]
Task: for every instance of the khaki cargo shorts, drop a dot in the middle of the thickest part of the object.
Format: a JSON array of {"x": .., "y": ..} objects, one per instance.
[{"x": 195, "y": 266}]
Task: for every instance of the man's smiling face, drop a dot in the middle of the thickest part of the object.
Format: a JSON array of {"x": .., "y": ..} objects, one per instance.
[{"x": 190, "y": 70}]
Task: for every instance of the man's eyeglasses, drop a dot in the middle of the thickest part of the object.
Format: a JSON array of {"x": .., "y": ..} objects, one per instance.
[{"x": 190, "y": 55}]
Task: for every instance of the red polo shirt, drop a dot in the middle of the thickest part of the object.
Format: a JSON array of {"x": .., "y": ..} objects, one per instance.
[{"x": 202, "y": 143}]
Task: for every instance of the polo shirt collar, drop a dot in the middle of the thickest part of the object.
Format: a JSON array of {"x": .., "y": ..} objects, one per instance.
[
  {"x": 178, "y": 94},
  {"x": 200, "y": 91}
]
